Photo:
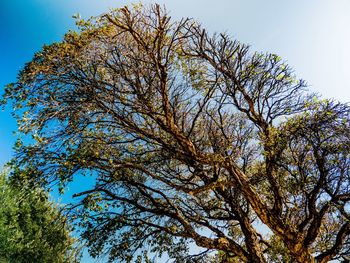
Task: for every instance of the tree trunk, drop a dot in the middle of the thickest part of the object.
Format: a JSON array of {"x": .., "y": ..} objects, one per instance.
[{"x": 300, "y": 253}]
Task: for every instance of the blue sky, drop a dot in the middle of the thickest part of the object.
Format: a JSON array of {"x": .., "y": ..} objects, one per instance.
[{"x": 313, "y": 36}]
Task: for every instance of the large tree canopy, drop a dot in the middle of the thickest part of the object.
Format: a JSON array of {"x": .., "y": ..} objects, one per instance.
[
  {"x": 32, "y": 229},
  {"x": 200, "y": 148}
]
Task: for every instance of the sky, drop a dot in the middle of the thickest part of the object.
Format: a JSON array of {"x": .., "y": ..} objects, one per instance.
[{"x": 312, "y": 36}]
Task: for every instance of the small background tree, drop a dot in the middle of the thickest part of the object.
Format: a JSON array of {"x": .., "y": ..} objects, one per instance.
[{"x": 32, "y": 229}]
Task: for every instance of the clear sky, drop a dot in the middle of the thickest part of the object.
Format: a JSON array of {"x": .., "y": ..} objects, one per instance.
[{"x": 313, "y": 36}]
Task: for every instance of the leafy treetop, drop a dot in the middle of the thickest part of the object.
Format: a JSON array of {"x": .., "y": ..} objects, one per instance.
[{"x": 194, "y": 141}]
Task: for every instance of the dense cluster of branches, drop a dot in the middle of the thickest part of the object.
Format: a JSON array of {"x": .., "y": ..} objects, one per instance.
[{"x": 200, "y": 148}]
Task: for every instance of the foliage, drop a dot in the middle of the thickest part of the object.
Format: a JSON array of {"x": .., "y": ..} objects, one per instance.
[
  {"x": 32, "y": 228},
  {"x": 196, "y": 143}
]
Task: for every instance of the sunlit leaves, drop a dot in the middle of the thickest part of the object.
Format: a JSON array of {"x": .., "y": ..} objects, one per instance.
[{"x": 192, "y": 139}]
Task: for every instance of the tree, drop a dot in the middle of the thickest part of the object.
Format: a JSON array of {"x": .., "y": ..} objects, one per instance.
[
  {"x": 199, "y": 148},
  {"x": 31, "y": 228}
]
